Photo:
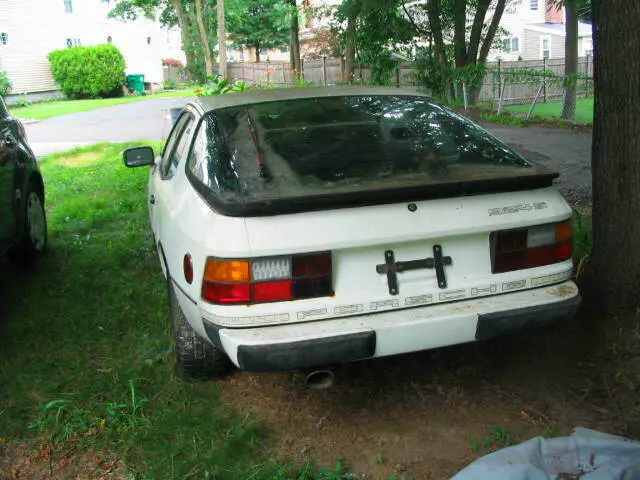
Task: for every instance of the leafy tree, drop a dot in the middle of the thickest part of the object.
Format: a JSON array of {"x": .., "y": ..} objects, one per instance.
[
  {"x": 372, "y": 29},
  {"x": 185, "y": 14},
  {"x": 473, "y": 25},
  {"x": 616, "y": 156},
  {"x": 259, "y": 24}
]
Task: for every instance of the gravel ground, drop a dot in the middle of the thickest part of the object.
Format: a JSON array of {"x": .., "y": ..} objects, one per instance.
[{"x": 568, "y": 151}]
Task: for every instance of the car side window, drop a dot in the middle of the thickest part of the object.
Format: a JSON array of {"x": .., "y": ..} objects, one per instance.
[
  {"x": 182, "y": 148},
  {"x": 197, "y": 157},
  {"x": 172, "y": 152}
]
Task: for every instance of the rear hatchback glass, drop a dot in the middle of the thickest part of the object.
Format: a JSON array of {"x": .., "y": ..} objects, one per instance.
[{"x": 331, "y": 151}]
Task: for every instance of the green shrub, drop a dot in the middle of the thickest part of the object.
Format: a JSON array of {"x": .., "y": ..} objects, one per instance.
[
  {"x": 88, "y": 72},
  {"x": 22, "y": 101},
  {"x": 5, "y": 84}
]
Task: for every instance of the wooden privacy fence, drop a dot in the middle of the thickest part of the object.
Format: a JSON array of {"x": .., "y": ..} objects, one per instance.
[{"x": 499, "y": 76}]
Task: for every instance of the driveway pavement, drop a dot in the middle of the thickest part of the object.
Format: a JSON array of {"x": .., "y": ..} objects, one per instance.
[
  {"x": 564, "y": 150},
  {"x": 143, "y": 120}
]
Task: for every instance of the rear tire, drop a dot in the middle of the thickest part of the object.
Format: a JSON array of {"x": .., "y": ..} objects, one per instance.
[
  {"x": 34, "y": 236},
  {"x": 196, "y": 357}
]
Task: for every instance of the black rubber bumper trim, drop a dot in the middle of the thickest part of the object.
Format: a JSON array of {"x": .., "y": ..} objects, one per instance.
[
  {"x": 307, "y": 353},
  {"x": 492, "y": 325},
  {"x": 213, "y": 331}
]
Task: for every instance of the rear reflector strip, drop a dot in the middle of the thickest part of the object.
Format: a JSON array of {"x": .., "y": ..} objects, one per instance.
[{"x": 271, "y": 279}]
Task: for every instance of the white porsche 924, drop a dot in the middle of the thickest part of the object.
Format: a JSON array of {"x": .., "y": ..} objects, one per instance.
[{"x": 305, "y": 227}]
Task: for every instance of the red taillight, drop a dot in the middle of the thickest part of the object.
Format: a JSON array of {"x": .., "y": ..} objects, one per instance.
[
  {"x": 226, "y": 293},
  {"x": 272, "y": 291},
  {"x": 531, "y": 247},
  {"x": 270, "y": 279}
]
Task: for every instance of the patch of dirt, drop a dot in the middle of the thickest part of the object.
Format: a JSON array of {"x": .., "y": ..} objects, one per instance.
[
  {"x": 18, "y": 462},
  {"x": 79, "y": 160},
  {"x": 428, "y": 415}
]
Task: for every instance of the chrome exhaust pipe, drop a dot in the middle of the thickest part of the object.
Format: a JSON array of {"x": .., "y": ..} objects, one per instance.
[{"x": 320, "y": 379}]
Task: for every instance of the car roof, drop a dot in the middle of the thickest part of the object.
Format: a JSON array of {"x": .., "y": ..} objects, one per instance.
[{"x": 214, "y": 102}]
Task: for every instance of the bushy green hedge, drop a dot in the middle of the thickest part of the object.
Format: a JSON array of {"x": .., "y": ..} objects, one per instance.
[{"x": 88, "y": 72}]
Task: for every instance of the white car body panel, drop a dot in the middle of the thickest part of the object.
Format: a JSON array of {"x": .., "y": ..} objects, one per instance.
[{"x": 421, "y": 316}]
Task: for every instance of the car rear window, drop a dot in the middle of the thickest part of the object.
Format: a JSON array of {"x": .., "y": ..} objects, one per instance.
[{"x": 359, "y": 147}]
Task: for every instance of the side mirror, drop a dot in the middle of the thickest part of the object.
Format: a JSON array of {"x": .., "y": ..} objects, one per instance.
[{"x": 138, "y": 157}]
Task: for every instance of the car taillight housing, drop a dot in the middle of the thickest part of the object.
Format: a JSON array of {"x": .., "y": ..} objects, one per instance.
[
  {"x": 531, "y": 247},
  {"x": 269, "y": 279}
]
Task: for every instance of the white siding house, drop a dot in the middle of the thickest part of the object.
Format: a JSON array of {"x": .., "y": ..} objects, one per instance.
[
  {"x": 534, "y": 29},
  {"x": 30, "y": 29}
]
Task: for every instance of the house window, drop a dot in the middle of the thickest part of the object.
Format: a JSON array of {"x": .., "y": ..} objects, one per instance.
[
  {"x": 4, "y": 38},
  {"x": 263, "y": 51},
  {"x": 546, "y": 47},
  {"x": 241, "y": 55},
  {"x": 148, "y": 40},
  {"x": 109, "y": 39},
  {"x": 510, "y": 45},
  {"x": 68, "y": 6},
  {"x": 533, "y": 4},
  {"x": 284, "y": 49}
]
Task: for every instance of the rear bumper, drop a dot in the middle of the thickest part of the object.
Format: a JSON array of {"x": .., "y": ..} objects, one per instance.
[{"x": 327, "y": 342}]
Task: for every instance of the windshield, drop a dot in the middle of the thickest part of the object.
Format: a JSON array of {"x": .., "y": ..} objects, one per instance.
[{"x": 342, "y": 145}]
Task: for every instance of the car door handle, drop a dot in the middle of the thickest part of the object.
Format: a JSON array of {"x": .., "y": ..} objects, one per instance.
[{"x": 152, "y": 200}]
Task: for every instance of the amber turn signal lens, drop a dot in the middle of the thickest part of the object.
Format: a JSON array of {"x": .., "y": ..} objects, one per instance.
[
  {"x": 564, "y": 231},
  {"x": 227, "y": 271}
]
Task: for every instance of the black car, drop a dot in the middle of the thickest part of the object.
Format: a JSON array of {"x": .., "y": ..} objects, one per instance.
[{"x": 23, "y": 225}]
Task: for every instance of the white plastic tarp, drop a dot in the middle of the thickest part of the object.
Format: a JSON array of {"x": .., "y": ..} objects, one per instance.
[{"x": 585, "y": 455}]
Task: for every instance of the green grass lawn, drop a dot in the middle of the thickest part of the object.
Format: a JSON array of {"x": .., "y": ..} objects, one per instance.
[
  {"x": 584, "y": 109},
  {"x": 40, "y": 111},
  {"x": 86, "y": 355}
]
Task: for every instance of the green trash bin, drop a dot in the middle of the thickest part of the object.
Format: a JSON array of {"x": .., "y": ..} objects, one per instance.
[{"x": 136, "y": 82}]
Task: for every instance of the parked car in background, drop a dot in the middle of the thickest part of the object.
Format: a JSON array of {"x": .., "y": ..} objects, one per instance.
[
  {"x": 23, "y": 224},
  {"x": 301, "y": 228}
]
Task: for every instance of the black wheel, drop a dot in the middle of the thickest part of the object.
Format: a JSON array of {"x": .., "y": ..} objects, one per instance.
[
  {"x": 196, "y": 358},
  {"x": 34, "y": 237}
]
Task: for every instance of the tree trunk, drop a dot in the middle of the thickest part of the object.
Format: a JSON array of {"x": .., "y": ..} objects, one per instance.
[
  {"x": 222, "y": 40},
  {"x": 459, "y": 32},
  {"x": 204, "y": 37},
  {"x": 257, "y": 49},
  {"x": 570, "y": 59},
  {"x": 350, "y": 43},
  {"x": 615, "y": 163},
  {"x": 433, "y": 13},
  {"x": 491, "y": 32},
  {"x": 294, "y": 43},
  {"x": 184, "y": 24},
  {"x": 476, "y": 30}
]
